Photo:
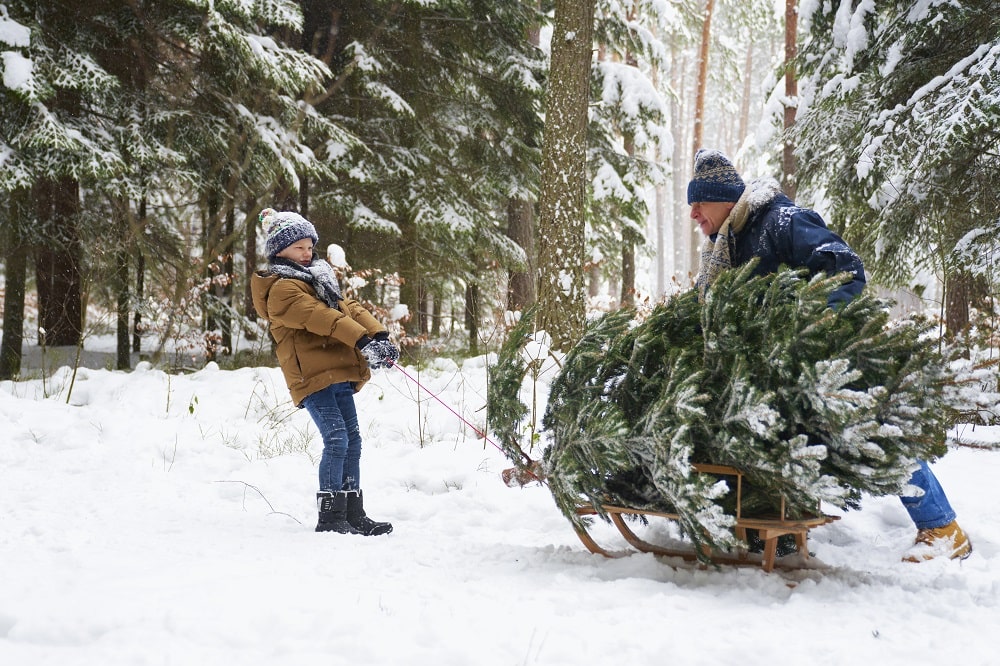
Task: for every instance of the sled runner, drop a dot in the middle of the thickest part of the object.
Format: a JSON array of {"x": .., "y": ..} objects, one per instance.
[{"x": 769, "y": 528}]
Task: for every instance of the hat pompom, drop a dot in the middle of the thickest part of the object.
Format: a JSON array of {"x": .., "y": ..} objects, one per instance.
[{"x": 267, "y": 218}]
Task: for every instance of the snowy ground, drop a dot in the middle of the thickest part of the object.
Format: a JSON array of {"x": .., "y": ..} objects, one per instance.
[{"x": 164, "y": 519}]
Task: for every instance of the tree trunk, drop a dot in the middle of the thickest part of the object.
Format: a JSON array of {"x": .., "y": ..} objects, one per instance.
[
  {"x": 958, "y": 294},
  {"x": 140, "y": 293},
  {"x": 662, "y": 254},
  {"x": 304, "y": 199},
  {"x": 521, "y": 291},
  {"x": 472, "y": 316},
  {"x": 15, "y": 278},
  {"x": 521, "y": 229},
  {"x": 699, "y": 100},
  {"x": 225, "y": 288},
  {"x": 594, "y": 279},
  {"x": 140, "y": 272},
  {"x": 210, "y": 248},
  {"x": 16, "y": 263},
  {"x": 250, "y": 252},
  {"x": 426, "y": 308},
  {"x": 788, "y": 180},
  {"x": 436, "y": 319},
  {"x": 285, "y": 196},
  {"x": 628, "y": 272},
  {"x": 628, "y": 243},
  {"x": 410, "y": 291},
  {"x": 561, "y": 286},
  {"x": 57, "y": 263},
  {"x": 659, "y": 219},
  {"x": 121, "y": 278},
  {"x": 694, "y": 239},
  {"x": 681, "y": 228}
]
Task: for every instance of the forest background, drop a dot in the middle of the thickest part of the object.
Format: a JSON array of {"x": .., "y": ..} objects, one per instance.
[{"x": 472, "y": 157}]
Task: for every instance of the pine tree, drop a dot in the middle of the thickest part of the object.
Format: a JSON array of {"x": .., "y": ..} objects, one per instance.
[
  {"x": 899, "y": 127},
  {"x": 444, "y": 101},
  {"x": 506, "y": 414},
  {"x": 628, "y": 128},
  {"x": 125, "y": 104}
]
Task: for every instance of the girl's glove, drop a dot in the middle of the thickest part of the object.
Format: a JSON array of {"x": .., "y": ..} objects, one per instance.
[{"x": 379, "y": 353}]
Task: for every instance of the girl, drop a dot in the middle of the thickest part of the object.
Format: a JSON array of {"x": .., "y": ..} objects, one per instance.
[{"x": 326, "y": 346}]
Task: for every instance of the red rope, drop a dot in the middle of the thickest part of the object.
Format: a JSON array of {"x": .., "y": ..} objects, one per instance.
[
  {"x": 447, "y": 406},
  {"x": 479, "y": 432}
]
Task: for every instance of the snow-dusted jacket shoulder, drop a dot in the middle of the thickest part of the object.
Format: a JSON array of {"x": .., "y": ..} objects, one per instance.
[
  {"x": 783, "y": 234},
  {"x": 314, "y": 342}
]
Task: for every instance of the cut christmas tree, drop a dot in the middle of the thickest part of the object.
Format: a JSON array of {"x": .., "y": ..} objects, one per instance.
[{"x": 814, "y": 405}]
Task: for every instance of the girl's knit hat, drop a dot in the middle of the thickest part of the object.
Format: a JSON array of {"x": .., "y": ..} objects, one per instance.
[
  {"x": 715, "y": 179},
  {"x": 283, "y": 229}
]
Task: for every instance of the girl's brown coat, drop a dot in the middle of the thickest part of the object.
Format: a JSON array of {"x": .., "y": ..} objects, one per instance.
[{"x": 314, "y": 342}]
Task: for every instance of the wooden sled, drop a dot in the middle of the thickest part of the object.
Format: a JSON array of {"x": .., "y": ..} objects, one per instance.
[{"x": 769, "y": 528}]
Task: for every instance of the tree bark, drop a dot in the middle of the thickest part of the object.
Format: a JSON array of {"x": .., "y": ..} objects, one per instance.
[
  {"x": 436, "y": 318},
  {"x": 659, "y": 219},
  {"x": 426, "y": 308},
  {"x": 225, "y": 289},
  {"x": 681, "y": 230},
  {"x": 788, "y": 179},
  {"x": 694, "y": 240},
  {"x": 286, "y": 197},
  {"x": 702, "y": 84},
  {"x": 629, "y": 240},
  {"x": 594, "y": 279},
  {"x": 140, "y": 293},
  {"x": 140, "y": 286},
  {"x": 472, "y": 316},
  {"x": 250, "y": 252},
  {"x": 123, "y": 356},
  {"x": 211, "y": 267},
  {"x": 628, "y": 272},
  {"x": 57, "y": 263},
  {"x": 521, "y": 229},
  {"x": 958, "y": 294},
  {"x": 410, "y": 290},
  {"x": 16, "y": 263},
  {"x": 15, "y": 274},
  {"x": 561, "y": 285}
]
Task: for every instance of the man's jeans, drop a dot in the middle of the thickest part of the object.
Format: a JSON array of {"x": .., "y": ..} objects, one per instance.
[
  {"x": 931, "y": 509},
  {"x": 336, "y": 417}
]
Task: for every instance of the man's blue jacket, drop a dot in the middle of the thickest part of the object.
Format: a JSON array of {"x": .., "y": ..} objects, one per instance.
[{"x": 782, "y": 234}]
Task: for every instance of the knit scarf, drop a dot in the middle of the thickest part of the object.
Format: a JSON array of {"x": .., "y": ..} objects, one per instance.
[
  {"x": 319, "y": 274},
  {"x": 715, "y": 254}
]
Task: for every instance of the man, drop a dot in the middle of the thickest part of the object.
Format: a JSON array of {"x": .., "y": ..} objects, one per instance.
[{"x": 743, "y": 221}]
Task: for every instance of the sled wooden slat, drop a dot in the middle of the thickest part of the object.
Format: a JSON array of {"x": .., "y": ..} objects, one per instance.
[{"x": 769, "y": 528}]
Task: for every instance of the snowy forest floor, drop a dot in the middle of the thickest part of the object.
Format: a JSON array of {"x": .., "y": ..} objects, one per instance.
[{"x": 168, "y": 519}]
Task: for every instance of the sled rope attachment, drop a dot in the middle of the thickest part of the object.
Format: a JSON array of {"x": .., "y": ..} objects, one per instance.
[{"x": 479, "y": 432}]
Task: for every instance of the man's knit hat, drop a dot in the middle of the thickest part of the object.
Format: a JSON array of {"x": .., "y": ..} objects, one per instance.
[
  {"x": 715, "y": 179},
  {"x": 283, "y": 229}
]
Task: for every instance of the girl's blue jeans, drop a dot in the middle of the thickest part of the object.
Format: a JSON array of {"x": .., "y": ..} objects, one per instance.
[
  {"x": 333, "y": 411},
  {"x": 931, "y": 509}
]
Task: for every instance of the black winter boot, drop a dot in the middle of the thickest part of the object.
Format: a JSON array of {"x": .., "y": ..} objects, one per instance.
[
  {"x": 333, "y": 513},
  {"x": 359, "y": 521}
]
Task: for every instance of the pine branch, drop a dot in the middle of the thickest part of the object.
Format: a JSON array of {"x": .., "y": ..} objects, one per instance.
[{"x": 505, "y": 413}]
